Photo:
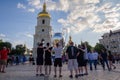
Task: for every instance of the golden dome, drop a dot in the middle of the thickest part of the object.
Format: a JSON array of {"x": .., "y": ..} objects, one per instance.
[{"x": 44, "y": 13}]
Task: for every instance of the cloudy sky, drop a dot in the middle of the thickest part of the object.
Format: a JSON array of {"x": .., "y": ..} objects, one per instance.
[{"x": 84, "y": 20}]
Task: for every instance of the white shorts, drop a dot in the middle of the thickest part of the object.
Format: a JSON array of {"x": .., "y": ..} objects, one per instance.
[{"x": 72, "y": 64}]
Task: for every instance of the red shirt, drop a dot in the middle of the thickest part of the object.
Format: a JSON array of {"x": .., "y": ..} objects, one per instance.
[{"x": 3, "y": 54}]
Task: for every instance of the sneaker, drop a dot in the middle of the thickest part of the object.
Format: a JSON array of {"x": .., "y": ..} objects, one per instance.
[
  {"x": 41, "y": 74},
  {"x": 71, "y": 76},
  {"x": 86, "y": 74},
  {"x": 80, "y": 74},
  {"x": 60, "y": 75},
  {"x": 55, "y": 76},
  {"x": 3, "y": 71},
  {"x": 109, "y": 69},
  {"x": 37, "y": 74},
  {"x": 76, "y": 76},
  {"x": 114, "y": 68}
]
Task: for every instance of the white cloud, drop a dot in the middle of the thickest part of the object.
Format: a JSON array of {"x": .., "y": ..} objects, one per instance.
[
  {"x": 87, "y": 16},
  {"x": 19, "y": 5},
  {"x": 24, "y": 34},
  {"x": 91, "y": 1},
  {"x": 2, "y": 35},
  {"x": 28, "y": 35},
  {"x": 112, "y": 15},
  {"x": 31, "y": 10},
  {"x": 96, "y": 15},
  {"x": 23, "y": 38},
  {"x": 64, "y": 5},
  {"x": 34, "y": 3},
  {"x": 14, "y": 43},
  {"x": 52, "y": 5}
]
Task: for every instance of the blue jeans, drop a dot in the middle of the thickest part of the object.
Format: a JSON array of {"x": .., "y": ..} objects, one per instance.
[
  {"x": 93, "y": 62},
  {"x": 103, "y": 64}
]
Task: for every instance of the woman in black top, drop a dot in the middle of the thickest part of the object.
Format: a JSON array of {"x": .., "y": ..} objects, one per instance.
[
  {"x": 48, "y": 61},
  {"x": 111, "y": 58},
  {"x": 39, "y": 60}
]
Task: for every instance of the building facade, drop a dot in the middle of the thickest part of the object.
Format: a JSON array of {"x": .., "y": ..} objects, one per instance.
[
  {"x": 111, "y": 41},
  {"x": 43, "y": 30}
]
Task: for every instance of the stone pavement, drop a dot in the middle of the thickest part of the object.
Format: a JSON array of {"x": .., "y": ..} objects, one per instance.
[{"x": 27, "y": 72}]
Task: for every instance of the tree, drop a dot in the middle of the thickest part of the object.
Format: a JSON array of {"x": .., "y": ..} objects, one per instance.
[
  {"x": 20, "y": 49},
  {"x": 13, "y": 51},
  {"x": 6, "y": 44},
  {"x": 98, "y": 47},
  {"x": 1, "y": 40}
]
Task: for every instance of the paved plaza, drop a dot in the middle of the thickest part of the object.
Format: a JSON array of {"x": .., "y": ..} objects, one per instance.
[{"x": 27, "y": 72}]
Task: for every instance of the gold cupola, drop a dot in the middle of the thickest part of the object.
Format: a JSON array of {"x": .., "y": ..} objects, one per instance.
[
  {"x": 44, "y": 13},
  {"x": 70, "y": 39}
]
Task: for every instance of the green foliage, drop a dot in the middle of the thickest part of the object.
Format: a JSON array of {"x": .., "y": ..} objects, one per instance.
[
  {"x": 1, "y": 40},
  {"x": 20, "y": 49},
  {"x": 13, "y": 51},
  {"x": 98, "y": 47},
  {"x": 6, "y": 44}
]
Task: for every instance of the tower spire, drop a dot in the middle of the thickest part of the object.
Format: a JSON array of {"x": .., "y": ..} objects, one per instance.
[{"x": 44, "y": 7}]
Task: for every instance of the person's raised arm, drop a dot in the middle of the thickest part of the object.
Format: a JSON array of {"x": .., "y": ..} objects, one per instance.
[{"x": 8, "y": 50}]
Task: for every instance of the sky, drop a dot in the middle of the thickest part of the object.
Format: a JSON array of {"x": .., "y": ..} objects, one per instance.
[{"x": 84, "y": 20}]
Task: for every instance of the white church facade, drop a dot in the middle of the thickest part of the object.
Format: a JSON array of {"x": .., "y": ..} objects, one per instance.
[{"x": 43, "y": 30}]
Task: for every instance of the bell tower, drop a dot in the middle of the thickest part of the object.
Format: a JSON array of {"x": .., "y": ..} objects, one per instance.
[{"x": 43, "y": 30}]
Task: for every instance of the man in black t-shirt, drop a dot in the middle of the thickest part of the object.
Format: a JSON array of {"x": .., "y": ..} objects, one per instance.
[{"x": 104, "y": 59}]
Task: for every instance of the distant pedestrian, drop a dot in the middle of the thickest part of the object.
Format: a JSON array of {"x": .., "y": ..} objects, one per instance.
[
  {"x": 39, "y": 60},
  {"x": 117, "y": 58},
  {"x": 13, "y": 59},
  {"x": 58, "y": 59},
  {"x": 111, "y": 58},
  {"x": 3, "y": 58},
  {"x": 93, "y": 57},
  {"x": 31, "y": 60},
  {"x": 104, "y": 59},
  {"x": 48, "y": 59},
  {"x": 17, "y": 60},
  {"x": 72, "y": 53},
  {"x": 23, "y": 59}
]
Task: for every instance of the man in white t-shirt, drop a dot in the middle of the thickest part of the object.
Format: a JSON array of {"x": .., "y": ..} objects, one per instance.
[{"x": 58, "y": 59}]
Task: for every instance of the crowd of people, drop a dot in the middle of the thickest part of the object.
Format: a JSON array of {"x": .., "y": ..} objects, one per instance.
[
  {"x": 77, "y": 58},
  {"x": 16, "y": 60},
  {"x": 6, "y": 59}
]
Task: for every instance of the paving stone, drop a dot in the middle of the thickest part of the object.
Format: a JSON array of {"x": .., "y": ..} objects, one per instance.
[{"x": 27, "y": 72}]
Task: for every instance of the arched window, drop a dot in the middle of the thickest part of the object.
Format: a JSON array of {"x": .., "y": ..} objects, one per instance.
[
  {"x": 43, "y": 30},
  {"x": 43, "y": 21}
]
